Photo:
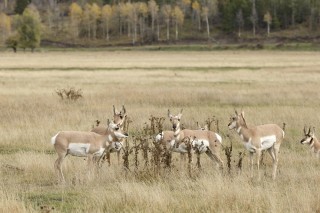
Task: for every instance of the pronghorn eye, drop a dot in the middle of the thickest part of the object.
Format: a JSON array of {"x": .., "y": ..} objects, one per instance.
[
  {"x": 179, "y": 119},
  {"x": 121, "y": 116},
  {"x": 117, "y": 128},
  {"x": 170, "y": 119}
]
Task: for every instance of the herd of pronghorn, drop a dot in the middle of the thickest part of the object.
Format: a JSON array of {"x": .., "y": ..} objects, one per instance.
[{"x": 104, "y": 140}]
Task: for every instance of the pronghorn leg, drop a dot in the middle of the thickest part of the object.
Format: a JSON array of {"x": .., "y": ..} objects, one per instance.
[
  {"x": 258, "y": 151},
  {"x": 182, "y": 159},
  {"x": 58, "y": 166},
  {"x": 216, "y": 158},
  {"x": 118, "y": 156},
  {"x": 271, "y": 152},
  {"x": 251, "y": 164},
  {"x": 90, "y": 164},
  {"x": 275, "y": 162}
]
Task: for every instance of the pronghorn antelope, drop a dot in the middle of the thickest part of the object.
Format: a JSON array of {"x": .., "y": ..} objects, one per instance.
[
  {"x": 167, "y": 139},
  {"x": 86, "y": 144},
  {"x": 206, "y": 141},
  {"x": 258, "y": 138},
  {"x": 118, "y": 119},
  {"x": 311, "y": 140}
]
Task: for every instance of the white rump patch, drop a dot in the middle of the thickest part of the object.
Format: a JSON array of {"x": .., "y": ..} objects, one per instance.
[
  {"x": 79, "y": 149},
  {"x": 201, "y": 144},
  {"x": 267, "y": 142},
  {"x": 53, "y": 139},
  {"x": 159, "y": 137},
  {"x": 219, "y": 138}
]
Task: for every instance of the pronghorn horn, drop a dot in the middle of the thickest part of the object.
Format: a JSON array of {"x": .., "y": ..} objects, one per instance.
[
  {"x": 236, "y": 111},
  {"x": 181, "y": 111},
  {"x": 304, "y": 130},
  {"x": 114, "y": 110},
  {"x": 169, "y": 115},
  {"x": 123, "y": 109},
  {"x": 314, "y": 130},
  {"x": 309, "y": 130}
]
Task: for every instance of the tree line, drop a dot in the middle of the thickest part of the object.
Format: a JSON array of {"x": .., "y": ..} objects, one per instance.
[{"x": 24, "y": 22}]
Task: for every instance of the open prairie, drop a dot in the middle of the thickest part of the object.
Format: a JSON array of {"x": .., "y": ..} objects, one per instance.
[{"x": 270, "y": 86}]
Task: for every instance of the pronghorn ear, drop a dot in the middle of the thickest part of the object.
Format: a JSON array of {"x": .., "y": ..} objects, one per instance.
[
  {"x": 242, "y": 114},
  {"x": 180, "y": 113},
  {"x": 114, "y": 110}
]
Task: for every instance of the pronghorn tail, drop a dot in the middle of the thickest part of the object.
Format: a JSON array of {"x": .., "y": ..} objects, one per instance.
[{"x": 53, "y": 139}]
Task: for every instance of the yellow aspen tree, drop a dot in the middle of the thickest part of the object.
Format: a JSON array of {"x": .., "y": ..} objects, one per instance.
[
  {"x": 95, "y": 13},
  {"x": 106, "y": 14},
  {"x": 196, "y": 13},
  {"x": 75, "y": 14},
  {"x": 178, "y": 18},
  {"x": 166, "y": 13},
  {"x": 86, "y": 19},
  {"x": 123, "y": 15},
  {"x": 143, "y": 14},
  {"x": 5, "y": 26},
  {"x": 116, "y": 17},
  {"x": 153, "y": 10},
  {"x": 126, "y": 9},
  {"x": 205, "y": 16},
  {"x": 268, "y": 19},
  {"x": 185, "y": 5},
  {"x": 133, "y": 17}
]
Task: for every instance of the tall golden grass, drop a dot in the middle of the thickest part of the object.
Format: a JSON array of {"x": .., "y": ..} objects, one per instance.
[{"x": 270, "y": 86}]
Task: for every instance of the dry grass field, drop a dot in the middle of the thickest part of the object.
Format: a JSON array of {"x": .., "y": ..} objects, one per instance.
[{"x": 270, "y": 86}]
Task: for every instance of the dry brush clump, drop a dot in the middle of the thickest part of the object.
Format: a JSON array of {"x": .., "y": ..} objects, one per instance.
[{"x": 70, "y": 94}]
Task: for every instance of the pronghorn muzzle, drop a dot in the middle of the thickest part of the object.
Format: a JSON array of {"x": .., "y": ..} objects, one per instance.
[{"x": 174, "y": 126}]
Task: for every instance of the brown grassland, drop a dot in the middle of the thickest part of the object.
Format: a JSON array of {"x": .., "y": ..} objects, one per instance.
[{"x": 270, "y": 86}]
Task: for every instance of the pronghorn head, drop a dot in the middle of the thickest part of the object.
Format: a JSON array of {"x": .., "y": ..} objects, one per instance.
[
  {"x": 308, "y": 136},
  {"x": 204, "y": 128},
  {"x": 237, "y": 120},
  {"x": 175, "y": 119},
  {"x": 117, "y": 131},
  {"x": 119, "y": 117}
]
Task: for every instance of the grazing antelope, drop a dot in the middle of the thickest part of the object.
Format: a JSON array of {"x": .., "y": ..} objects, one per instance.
[
  {"x": 118, "y": 119},
  {"x": 258, "y": 138},
  {"x": 167, "y": 139},
  {"x": 311, "y": 140},
  {"x": 207, "y": 141},
  {"x": 85, "y": 144}
]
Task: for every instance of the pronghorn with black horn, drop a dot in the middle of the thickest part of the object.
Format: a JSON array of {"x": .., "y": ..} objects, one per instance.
[
  {"x": 311, "y": 140},
  {"x": 85, "y": 144},
  {"x": 118, "y": 119},
  {"x": 258, "y": 138},
  {"x": 205, "y": 141}
]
